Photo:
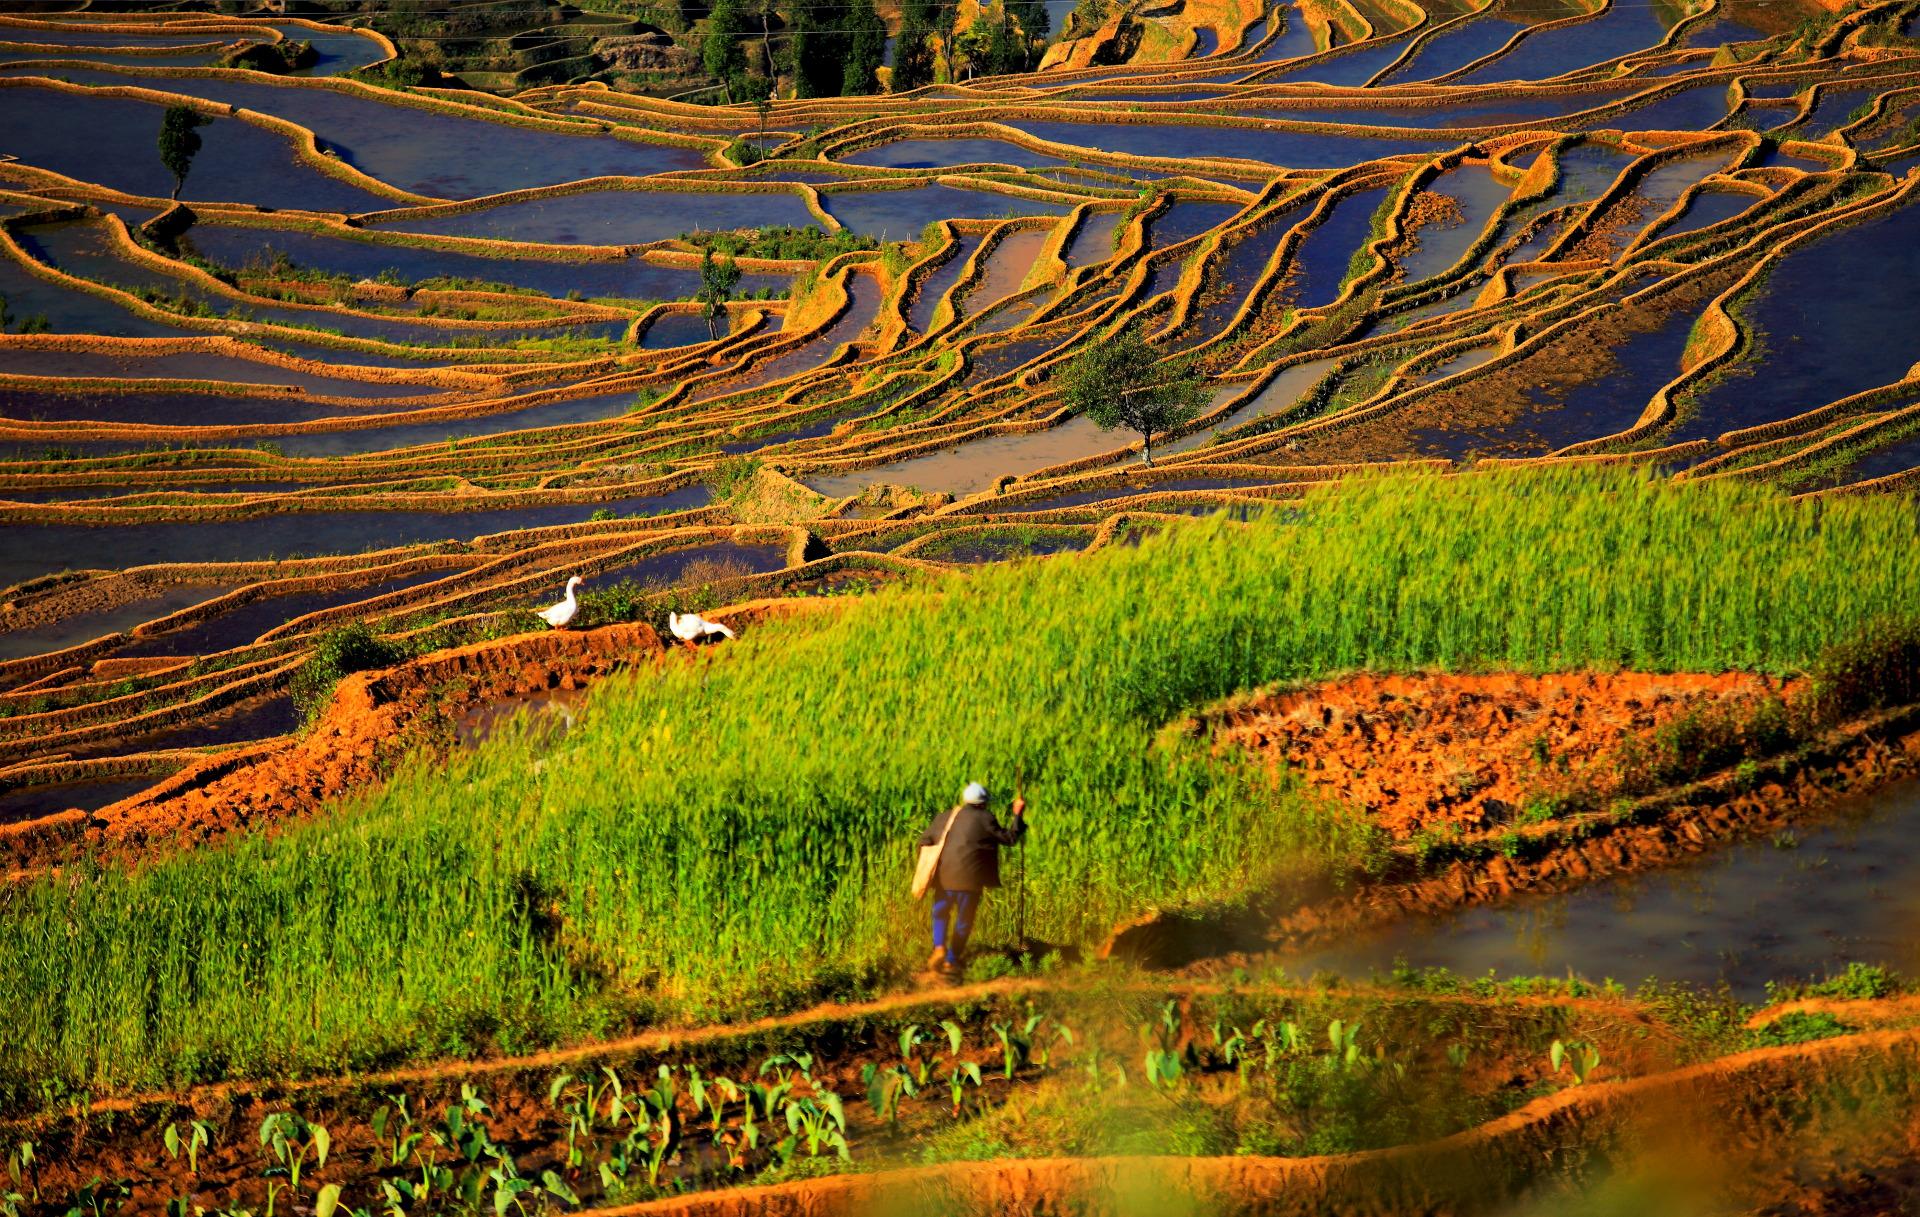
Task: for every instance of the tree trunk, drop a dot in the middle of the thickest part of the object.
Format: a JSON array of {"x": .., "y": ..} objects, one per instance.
[{"x": 1146, "y": 449}]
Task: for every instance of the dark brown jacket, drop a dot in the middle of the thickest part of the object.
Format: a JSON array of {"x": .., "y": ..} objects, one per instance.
[{"x": 971, "y": 860}]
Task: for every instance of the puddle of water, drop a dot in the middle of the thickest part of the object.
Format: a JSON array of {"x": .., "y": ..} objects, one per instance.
[
  {"x": 1283, "y": 391},
  {"x": 32, "y": 802},
  {"x": 1562, "y": 414},
  {"x": 1294, "y": 39},
  {"x": 1457, "y": 48},
  {"x": 1184, "y": 221},
  {"x": 1350, "y": 70},
  {"x": 1690, "y": 110},
  {"x": 671, "y": 568},
  {"x": 944, "y": 153},
  {"x": 1847, "y": 890},
  {"x": 1710, "y": 207},
  {"x": 550, "y": 713},
  {"x": 1897, "y": 457},
  {"x": 81, "y": 249},
  {"x": 861, "y": 310},
  {"x": 257, "y": 718},
  {"x": 1006, "y": 268},
  {"x": 1002, "y": 547},
  {"x": 1102, "y": 494},
  {"x": 1722, "y": 32},
  {"x": 1292, "y": 149},
  {"x": 239, "y": 627},
  {"x": 1474, "y": 189},
  {"x": 670, "y": 330}
]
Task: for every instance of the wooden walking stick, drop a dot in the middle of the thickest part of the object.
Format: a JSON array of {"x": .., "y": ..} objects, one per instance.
[{"x": 1020, "y": 916}]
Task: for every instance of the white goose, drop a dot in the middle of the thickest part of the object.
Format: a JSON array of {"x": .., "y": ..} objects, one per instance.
[
  {"x": 690, "y": 627},
  {"x": 560, "y": 614}
]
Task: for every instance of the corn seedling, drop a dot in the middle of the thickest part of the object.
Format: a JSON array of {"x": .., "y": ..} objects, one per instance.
[
  {"x": 24, "y": 1169},
  {"x": 1579, "y": 1056},
  {"x": 100, "y": 1197},
  {"x": 192, "y": 1143},
  {"x": 1098, "y": 1065},
  {"x": 1343, "y": 1042},
  {"x": 961, "y": 1074},
  {"x": 822, "y": 1123},
  {"x": 885, "y": 1088},
  {"x": 1043, "y": 1052},
  {"x": 393, "y": 1128},
  {"x": 921, "y": 1068},
  {"x": 1016, "y": 1047},
  {"x": 294, "y": 1141}
]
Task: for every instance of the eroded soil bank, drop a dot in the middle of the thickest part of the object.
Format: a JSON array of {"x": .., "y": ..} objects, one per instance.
[
  {"x": 1485, "y": 788},
  {"x": 1464, "y": 754}
]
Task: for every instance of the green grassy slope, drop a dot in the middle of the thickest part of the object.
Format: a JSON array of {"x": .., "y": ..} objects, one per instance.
[{"x": 737, "y": 833}]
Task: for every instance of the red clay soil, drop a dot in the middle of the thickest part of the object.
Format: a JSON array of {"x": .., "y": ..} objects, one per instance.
[
  {"x": 373, "y": 719},
  {"x": 1470, "y": 752}
]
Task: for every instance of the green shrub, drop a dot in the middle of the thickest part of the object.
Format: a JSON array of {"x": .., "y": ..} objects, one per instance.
[
  {"x": 339, "y": 652},
  {"x": 1876, "y": 668},
  {"x": 1799, "y": 1028},
  {"x": 1860, "y": 982}
]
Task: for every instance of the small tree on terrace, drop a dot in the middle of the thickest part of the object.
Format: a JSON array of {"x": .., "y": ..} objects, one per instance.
[
  {"x": 718, "y": 278},
  {"x": 179, "y": 141},
  {"x": 1123, "y": 382}
]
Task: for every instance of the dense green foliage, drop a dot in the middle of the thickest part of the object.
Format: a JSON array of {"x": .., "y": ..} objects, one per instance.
[
  {"x": 179, "y": 142},
  {"x": 735, "y": 834},
  {"x": 339, "y": 652},
  {"x": 718, "y": 277},
  {"x": 783, "y": 241},
  {"x": 1123, "y": 382}
]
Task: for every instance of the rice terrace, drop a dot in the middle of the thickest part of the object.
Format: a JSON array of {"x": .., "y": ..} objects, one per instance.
[{"x": 1355, "y": 561}]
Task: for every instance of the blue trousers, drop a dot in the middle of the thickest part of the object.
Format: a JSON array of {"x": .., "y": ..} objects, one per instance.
[{"x": 960, "y": 907}]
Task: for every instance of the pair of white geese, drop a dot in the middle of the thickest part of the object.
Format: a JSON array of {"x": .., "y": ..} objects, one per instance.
[{"x": 687, "y": 627}]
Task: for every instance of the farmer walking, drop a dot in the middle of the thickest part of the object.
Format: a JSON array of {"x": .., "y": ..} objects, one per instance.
[{"x": 959, "y": 859}]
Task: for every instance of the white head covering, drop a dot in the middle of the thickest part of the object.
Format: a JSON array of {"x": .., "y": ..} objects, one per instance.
[{"x": 975, "y": 794}]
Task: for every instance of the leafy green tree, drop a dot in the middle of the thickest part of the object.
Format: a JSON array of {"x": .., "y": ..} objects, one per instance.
[
  {"x": 913, "y": 50},
  {"x": 866, "y": 37},
  {"x": 970, "y": 45},
  {"x": 720, "y": 52},
  {"x": 1123, "y": 382},
  {"x": 1004, "y": 53},
  {"x": 179, "y": 141},
  {"x": 817, "y": 49},
  {"x": 718, "y": 278}
]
